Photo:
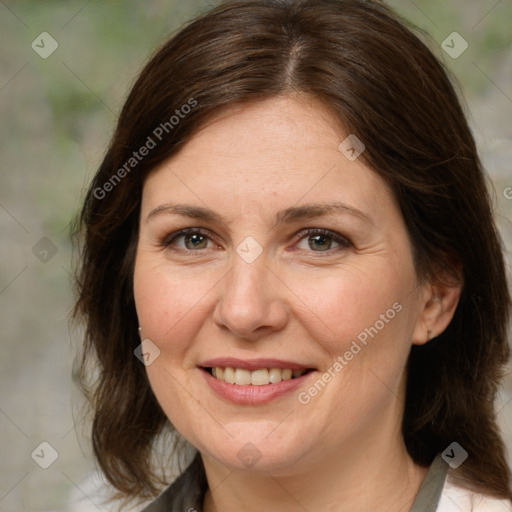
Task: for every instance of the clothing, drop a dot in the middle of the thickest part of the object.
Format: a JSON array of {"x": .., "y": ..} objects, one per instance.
[
  {"x": 437, "y": 493},
  {"x": 455, "y": 499}
]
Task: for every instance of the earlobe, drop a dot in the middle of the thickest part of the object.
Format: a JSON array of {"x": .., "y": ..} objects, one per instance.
[{"x": 437, "y": 312}]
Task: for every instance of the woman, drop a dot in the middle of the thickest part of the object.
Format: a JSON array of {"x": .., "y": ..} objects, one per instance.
[{"x": 290, "y": 260}]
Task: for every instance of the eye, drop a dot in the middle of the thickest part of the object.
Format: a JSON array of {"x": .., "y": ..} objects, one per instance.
[
  {"x": 318, "y": 240},
  {"x": 322, "y": 239},
  {"x": 193, "y": 239}
]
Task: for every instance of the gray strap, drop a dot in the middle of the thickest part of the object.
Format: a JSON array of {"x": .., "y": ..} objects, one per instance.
[
  {"x": 186, "y": 493},
  {"x": 429, "y": 495}
]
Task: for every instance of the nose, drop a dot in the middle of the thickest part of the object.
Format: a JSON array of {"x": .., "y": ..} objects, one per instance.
[{"x": 252, "y": 301}]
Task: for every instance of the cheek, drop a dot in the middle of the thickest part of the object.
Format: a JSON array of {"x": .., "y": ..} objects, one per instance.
[
  {"x": 352, "y": 304},
  {"x": 362, "y": 321},
  {"x": 170, "y": 310},
  {"x": 168, "y": 304}
]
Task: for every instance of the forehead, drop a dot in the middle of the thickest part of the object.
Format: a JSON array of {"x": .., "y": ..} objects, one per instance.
[{"x": 273, "y": 154}]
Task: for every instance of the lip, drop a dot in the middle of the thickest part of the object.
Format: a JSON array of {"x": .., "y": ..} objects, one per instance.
[
  {"x": 250, "y": 394},
  {"x": 253, "y": 364}
]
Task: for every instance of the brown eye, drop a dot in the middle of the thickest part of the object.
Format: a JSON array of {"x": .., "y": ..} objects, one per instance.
[
  {"x": 321, "y": 240},
  {"x": 194, "y": 239}
]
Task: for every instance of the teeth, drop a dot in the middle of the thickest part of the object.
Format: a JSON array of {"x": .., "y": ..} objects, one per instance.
[
  {"x": 275, "y": 375},
  {"x": 242, "y": 377},
  {"x": 287, "y": 374},
  {"x": 260, "y": 377},
  {"x": 229, "y": 375}
]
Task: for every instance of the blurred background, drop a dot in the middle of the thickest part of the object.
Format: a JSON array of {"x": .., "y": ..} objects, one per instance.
[{"x": 65, "y": 69}]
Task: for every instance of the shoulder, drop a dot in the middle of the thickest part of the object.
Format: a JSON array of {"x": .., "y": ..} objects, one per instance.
[{"x": 458, "y": 499}]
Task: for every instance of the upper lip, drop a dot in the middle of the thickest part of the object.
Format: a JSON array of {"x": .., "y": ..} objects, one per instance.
[{"x": 252, "y": 364}]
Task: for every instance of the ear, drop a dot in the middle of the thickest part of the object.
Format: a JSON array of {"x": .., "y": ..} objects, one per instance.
[{"x": 437, "y": 307}]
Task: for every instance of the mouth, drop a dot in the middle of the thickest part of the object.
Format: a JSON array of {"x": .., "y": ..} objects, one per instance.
[
  {"x": 259, "y": 377},
  {"x": 253, "y": 382}
]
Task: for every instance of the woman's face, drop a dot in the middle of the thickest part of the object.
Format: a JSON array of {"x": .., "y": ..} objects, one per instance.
[{"x": 297, "y": 259}]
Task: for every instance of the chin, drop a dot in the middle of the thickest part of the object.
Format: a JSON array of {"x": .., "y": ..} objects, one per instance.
[{"x": 255, "y": 451}]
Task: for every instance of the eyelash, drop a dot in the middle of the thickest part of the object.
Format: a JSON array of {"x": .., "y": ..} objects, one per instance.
[{"x": 343, "y": 241}]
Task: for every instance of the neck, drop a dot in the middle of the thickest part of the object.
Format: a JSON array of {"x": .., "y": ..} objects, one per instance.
[{"x": 376, "y": 475}]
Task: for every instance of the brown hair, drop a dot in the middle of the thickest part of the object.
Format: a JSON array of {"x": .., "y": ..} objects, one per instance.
[{"x": 385, "y": 86}]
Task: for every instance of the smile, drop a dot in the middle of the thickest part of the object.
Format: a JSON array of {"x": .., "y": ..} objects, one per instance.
[
  {"x": 256, "y": 381},
  {"x": 260, "y": 377}
]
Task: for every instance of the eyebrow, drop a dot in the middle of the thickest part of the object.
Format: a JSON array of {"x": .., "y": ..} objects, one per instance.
[{"x": 287, "y": 216}]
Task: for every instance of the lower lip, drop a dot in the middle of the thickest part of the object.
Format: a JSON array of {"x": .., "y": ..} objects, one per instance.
[{"x": 253, "y": 395}]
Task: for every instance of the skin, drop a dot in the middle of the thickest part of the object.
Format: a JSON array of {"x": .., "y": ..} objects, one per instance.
[{"x": 343, "y": 451}]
